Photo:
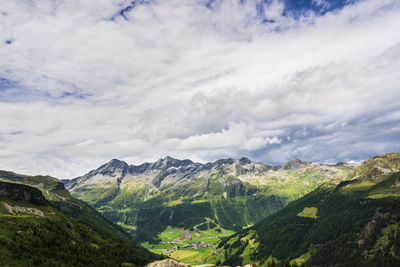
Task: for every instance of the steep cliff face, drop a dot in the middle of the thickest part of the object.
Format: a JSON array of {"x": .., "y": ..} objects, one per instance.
[{"x": 18, "y": 192}]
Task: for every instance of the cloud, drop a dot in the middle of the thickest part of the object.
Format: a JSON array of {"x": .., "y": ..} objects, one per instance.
[{"x": 81, "y": 84}]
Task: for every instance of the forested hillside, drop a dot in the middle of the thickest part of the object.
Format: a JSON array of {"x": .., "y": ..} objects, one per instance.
[
  {"x": 54, "y": 229},
  {"x": 355, "y": 222}
]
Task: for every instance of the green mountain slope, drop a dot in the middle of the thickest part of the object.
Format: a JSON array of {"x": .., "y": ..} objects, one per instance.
[
  {"x": 226, "y": 194},
  {"x": 351, "y": 222},
  {"x": 42, "y": 225}
]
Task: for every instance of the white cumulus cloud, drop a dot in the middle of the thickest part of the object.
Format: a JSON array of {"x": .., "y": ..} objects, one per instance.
[{"x": 80, "y": 84}]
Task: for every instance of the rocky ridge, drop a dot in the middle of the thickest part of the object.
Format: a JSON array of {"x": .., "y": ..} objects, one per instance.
[
  {"x": 227, "y": 194},
  {"x": 113, "y": 176}
]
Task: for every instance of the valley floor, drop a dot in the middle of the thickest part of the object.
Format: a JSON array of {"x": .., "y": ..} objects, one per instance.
[{"x": 191, "y": 247}]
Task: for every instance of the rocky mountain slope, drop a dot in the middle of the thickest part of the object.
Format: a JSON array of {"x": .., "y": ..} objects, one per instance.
[
  {"x": 41, "y": 224},
  {"x": 228, "y": 193},
  {"x": 350, "y": 222}
]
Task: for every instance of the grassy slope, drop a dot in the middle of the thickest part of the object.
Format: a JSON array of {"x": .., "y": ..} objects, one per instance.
[
  {"x": 69, "y": 234},
  {"x": 353, "y": 223},
  {"x": 53, "y": 190}
]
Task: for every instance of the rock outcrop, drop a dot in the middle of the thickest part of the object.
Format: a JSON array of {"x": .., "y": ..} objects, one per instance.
[
  {"x": 168, "y": 263},
  {"x": 20, "y": 192}
]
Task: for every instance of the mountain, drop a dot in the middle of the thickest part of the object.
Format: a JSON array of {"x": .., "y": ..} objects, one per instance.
[
  {"x": 349, "y": 222},
  {"x": 226, "y": 194},
  {"x": 41, "y": 224}
]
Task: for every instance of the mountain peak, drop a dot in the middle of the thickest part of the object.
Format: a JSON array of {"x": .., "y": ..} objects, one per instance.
[
  {"x": 167, "y": 162},
  {"x": 293, "y": 164},
  {"x": 170, "y": 159},
  {"x": 116, "y": 162},
  {"x": 112, "y": 167},
  {"x": 245, "y": 160},
  {"x": 225, "y": 161}
]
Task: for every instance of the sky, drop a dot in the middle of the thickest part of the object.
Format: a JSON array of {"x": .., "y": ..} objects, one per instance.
[{"x": 83, "y": 82}]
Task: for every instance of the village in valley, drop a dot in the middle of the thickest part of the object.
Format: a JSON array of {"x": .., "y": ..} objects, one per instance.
[
  {"x": 187, "y": 235},
  {"x": 190, "y": 246}
]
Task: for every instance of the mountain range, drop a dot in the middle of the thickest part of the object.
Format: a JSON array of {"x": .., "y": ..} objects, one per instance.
[
  {"x": 225, "y": 194},
  {"x": 311, "y": 214}
]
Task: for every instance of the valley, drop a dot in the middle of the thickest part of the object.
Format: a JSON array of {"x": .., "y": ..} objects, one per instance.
[
  {"x": 158, "y": 203},
  {"x": 227, "y": 194},
  {"x": 186, "y": 246},
  {"x": 206, "y": 133},
  {"x": 215, "y": 217}
]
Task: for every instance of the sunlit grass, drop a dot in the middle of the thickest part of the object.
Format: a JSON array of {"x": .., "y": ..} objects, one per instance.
[
  {"x": 359, "y": 187},
  {"x": 309, "y": 212},
  {"x": 376, "y": 196}
]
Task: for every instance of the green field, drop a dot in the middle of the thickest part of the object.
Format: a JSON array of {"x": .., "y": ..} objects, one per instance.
[
  {"x": 173, "y": 240},
  {"x": 310, "y": 212}
]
